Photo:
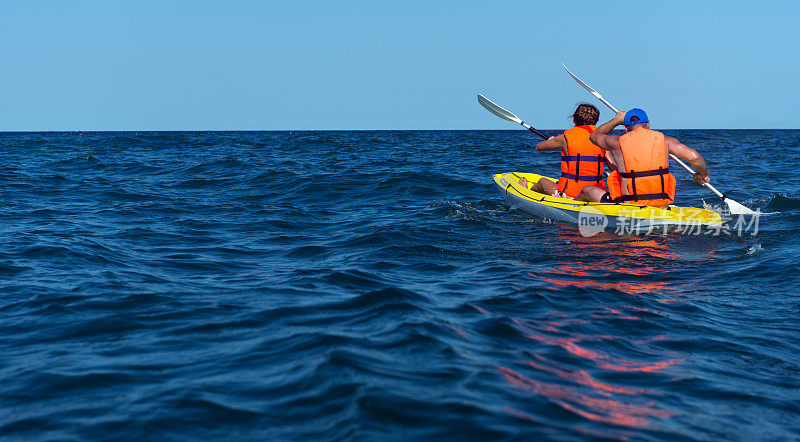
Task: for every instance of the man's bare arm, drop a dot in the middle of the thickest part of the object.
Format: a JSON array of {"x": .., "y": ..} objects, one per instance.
[
  {"x": 601, "y": 136},
  {"x": 695, "y": 159},
  {"x": 609, "y": 161},
  {"x": 552, "y": 143}
]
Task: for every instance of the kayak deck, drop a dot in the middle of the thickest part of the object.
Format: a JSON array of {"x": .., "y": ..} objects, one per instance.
[{"x": 549, "y": 207}]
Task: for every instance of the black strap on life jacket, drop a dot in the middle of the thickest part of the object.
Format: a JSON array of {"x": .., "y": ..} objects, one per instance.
[
  {"x": 660, "y": 171},
  {"x": 578, "y": 177},
  {"x": 632, "y": 175}
]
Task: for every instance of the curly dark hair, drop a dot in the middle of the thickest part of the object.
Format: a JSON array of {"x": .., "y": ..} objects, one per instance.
[{"x": 585, "y": 114}]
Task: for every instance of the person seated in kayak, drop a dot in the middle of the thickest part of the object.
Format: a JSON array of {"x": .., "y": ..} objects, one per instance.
[
  {"x": 642, "y": 159},
  {"x": 581, "y": 161}
]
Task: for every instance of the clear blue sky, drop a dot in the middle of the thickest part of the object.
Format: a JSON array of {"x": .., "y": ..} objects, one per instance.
[{"x": 162, "y": 65}]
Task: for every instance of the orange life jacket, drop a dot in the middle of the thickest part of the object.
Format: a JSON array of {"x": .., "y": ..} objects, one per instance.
[
  {"x": 583, "y": 164},
  {"x": 646, "y": 168}
]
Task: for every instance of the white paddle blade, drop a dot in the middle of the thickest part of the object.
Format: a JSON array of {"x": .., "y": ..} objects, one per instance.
[
  {"x": 736, "y": 208},
  {"x": 590, "y": 89},
  {"x": 585, "y": 86},
  {"x": 497, "y": 110}
]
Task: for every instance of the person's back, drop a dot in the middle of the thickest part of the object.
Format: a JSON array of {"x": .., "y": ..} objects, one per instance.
[
  {"x": 581, "y": 160},
  {"x": 645, "y": 166},
  {"x": 583, "y": 163}
]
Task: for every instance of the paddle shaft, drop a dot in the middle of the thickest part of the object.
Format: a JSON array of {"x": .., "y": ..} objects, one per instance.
[{"x": 532, "y": 129}]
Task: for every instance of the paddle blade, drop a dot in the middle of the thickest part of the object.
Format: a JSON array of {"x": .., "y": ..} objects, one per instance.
[
  {"x": 590, "y": 89},
  {"x": 736, "y": 208},
  {"x": 497, "y": 110},
  {"x": 586, "y": 86}
]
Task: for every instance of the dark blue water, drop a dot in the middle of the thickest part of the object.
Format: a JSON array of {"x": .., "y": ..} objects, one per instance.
[{"x": 372, "y": 285}]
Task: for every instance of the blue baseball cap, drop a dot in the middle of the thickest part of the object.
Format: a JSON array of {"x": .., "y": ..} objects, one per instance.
[{"x": 635, "y": 116}]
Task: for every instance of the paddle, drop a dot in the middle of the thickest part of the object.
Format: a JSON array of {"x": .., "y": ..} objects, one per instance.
[
  {"x": 506, "y": 115},
  {"x": 733, "y": 206}
]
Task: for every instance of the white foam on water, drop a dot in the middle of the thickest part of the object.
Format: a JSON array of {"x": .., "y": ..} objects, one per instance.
[{"x": 755, "y": 248}]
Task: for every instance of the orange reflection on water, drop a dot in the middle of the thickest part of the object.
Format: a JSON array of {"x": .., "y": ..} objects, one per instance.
[
  {"x": 457, "y": 330},
  {"x": 599, "y": 409},
  {"x": 631, "y": 288},
  {"x": 581, "y": 393},
  {"x": 614, "y": 313},
  {"x": 480, "y": 309},
  {"x": 584, "y": 378},
  {"x": 628, "y": 266},
  {"x": 619, "y": 435},
  {"x": 599, "y": 262},
  {"x": 602, "y": 360}
]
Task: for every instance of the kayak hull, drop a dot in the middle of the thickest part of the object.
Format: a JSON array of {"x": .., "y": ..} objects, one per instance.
[{"x": 612, "y": 215}]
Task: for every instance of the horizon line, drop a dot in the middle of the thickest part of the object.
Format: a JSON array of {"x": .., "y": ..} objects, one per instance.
[{"x": 343, "y": 130}]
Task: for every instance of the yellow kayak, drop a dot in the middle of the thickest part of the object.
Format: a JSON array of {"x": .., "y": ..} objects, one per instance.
[{"x": 607, "y": 215}]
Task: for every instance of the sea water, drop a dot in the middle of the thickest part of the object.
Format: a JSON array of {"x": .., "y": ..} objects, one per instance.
[{"x": 373, "y": 285}]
